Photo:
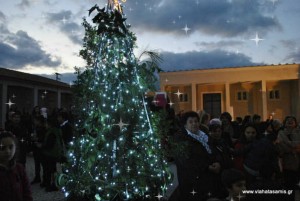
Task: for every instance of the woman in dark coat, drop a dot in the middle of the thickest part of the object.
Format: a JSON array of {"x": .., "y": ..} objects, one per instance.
[{"x": 196, "y": 165}]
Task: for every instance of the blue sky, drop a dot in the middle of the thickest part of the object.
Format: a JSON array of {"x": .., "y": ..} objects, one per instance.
[{"x": 45, "y": 36}]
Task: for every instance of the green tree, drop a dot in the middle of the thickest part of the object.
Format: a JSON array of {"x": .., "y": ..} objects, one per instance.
[{"x": 116, "y": 154}]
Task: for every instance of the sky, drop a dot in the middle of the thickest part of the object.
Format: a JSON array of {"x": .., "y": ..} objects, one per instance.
[{"x": 44, "y": 37}]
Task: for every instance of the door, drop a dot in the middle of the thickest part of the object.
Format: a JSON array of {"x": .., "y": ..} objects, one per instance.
[{"x": 212, "y": 104}]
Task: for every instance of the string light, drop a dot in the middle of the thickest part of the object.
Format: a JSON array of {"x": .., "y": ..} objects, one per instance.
[{"x": 105, "y": 159}]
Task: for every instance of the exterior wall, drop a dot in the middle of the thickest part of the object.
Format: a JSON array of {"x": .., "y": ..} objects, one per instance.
[
  {"x": 26, "y": 90},
  {"x": 295, "y": 100},
  {"x": 206, "y": 89},
  {"x": 257, "y": 81},
  {"x": 2, "y": 113},
  {"x": 281, "y": 107},
  {"x": 179, "y": 106},
  {"x": 22, "y": 97},
  {"x": 47, "y": 100},
  {"x": 241, "y": 107},
  {"x": 66, "y": 100}
]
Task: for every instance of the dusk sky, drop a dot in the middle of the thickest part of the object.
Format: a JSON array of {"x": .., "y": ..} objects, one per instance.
[{"x": 45, "y": 36}]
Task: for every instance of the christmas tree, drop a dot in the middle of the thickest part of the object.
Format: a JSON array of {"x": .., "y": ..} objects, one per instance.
[{"x": 116, "y": 154}]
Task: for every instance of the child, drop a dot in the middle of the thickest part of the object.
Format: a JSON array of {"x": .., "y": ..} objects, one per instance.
[
  {"x": 14, "y": 183},
  {"x": 235, "y": 182}
]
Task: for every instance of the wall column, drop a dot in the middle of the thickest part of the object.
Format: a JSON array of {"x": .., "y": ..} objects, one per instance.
[
  {"x": 298, "y": 98},
  {"x": 58, "y": 99},
  {"x": 162, "y": 87},
  {"x": 264, "y": 99},
  {"x": 3, "y": 105},
  {"x": 194, "y": 97},
  {"x": 228, "y": 108},
  {"x": 35, "y": 96}
]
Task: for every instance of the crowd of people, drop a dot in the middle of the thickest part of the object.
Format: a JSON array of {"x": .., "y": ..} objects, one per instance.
[
  {"x": 46, "y": 136},
  {"x": 243, "y": 159},
  {"x": 216, "y": 159}
]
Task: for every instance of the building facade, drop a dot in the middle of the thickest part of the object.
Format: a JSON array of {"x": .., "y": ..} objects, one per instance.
[
  {"x": 25, "y": 91},
  {"x": 265, "y": 90}
]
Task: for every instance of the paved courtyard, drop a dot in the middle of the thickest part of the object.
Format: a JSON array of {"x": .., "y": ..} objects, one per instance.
[{"x": 38, "y": 193}]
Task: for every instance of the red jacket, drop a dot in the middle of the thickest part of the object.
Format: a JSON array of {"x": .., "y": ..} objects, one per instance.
[{"x": 14, "y": 185}]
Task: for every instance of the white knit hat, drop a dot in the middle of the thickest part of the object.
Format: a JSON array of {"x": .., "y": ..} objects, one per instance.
[{"x": 215, "y": 121}]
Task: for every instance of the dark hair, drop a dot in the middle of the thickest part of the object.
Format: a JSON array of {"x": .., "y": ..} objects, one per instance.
[
  {"x": 226, "y": 115},
  {"x": 16, "y": 113},
  {"x": 255, "y": 117},
  {"x": 205, "y": 117},
  {"x": 239, "y": 119},
  {"x": 243, "y": 136},
  {"x": 188, "y": 115},
  {"x": 246, "y": 120},
  {"x": 34, "y": 112},
  {"x": 7, "y": 134},
  {"x": 290, "y": 117},
  {"x": 231, "y": 176}
]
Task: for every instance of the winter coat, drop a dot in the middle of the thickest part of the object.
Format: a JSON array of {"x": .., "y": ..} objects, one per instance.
[
  {"x": 14, "y": 185},
  {"x": 238, "y": 161},
  {"x": 222, "y": 152},
  {"x": 67, "y": 133},
  {"x": 261, "y": 152},
  {"x": 192, "y": 167},
  {"x": 289, "y": 143},
  {"x": 53, "y": 144}
]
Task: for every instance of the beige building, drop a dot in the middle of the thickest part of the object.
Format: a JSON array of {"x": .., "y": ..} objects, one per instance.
[
  {"x": 26, "y": 91},
  {"x": 264, "y": 90}
]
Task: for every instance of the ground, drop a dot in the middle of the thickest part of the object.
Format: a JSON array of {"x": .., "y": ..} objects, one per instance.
[{"x": 38, "y": 193}]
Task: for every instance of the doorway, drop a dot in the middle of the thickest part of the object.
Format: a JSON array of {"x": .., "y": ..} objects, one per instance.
[{"x": 212, "y": 104}]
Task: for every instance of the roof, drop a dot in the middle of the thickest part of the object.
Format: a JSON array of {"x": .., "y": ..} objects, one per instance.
[
  {"x": 12, "y": 75},
  {"x": 231, "y": 67}
]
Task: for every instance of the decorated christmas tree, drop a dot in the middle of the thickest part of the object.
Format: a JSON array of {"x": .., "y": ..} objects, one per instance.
[{"x": 116, "y": 154}]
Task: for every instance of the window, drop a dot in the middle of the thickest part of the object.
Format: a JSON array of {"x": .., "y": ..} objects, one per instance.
[
  {"x": 242, "y": 95},
  {"x": 274, "y": 94},
  {"x": 183, "y": 97}
]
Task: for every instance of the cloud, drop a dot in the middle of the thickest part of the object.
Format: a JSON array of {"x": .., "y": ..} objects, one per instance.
[
  {"x": 49, "y": 3},
  {"x": 294, "y": 57},
  {"x": 18, "y": 50},
  {"x": 211, "y": 17},
  {"x": 24, "y": 4},
  {"x": 2, "y": 17},
  {"x": 290, "y": 44},
  {"x": 218, "y": 45},
  {"x": 199, "y": 60},
  {"x": 65, "y": 21},
  {"x": 293, "y": 48}
]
